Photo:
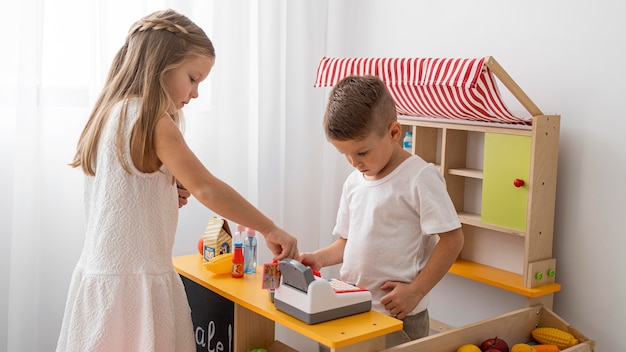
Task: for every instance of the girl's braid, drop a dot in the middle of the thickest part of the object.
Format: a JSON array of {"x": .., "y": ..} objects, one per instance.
[{"x": 157, "y": 24}]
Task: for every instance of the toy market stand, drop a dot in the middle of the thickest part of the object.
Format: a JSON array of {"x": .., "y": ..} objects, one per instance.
[{"x": 255, "y": 316}]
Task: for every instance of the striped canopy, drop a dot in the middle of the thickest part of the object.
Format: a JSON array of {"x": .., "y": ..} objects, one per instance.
[{"x": 431, "y": 87}]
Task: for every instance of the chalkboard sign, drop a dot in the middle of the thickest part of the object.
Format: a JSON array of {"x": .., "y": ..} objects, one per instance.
[{"x": 213, "y": 318}]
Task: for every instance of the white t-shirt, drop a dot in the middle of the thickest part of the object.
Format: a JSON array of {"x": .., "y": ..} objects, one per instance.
[{"x": 391, "y": 226}]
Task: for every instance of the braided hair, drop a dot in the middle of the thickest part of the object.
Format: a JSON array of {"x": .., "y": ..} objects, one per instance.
[{"x": 154, "y": 45}]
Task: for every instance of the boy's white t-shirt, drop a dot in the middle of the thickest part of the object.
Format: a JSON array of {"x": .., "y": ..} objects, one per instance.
[{"x": 391, "y": 226}]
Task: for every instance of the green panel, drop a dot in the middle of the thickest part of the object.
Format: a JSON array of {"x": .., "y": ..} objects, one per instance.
[{"x": 506, "y": 158}]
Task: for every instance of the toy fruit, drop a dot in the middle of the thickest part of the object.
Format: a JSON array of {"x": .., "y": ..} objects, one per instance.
[
  {"x": 553, "y": 336},
  {"x": 494, "y": 343},
  {"x": 468, "y": 348},
  {"x": 222, "y": 264},
  {"x": 201, "y": 246},
  {"x": 522, "y": 347}
]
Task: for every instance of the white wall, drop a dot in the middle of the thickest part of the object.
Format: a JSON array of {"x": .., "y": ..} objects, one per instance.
[{"x": 568, "y": 57}]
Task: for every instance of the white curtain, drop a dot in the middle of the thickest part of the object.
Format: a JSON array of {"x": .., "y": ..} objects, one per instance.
[{"x": 256, "y": 125}]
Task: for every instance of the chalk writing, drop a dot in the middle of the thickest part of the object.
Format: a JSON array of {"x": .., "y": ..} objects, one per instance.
[{"x": 204, "y": 338}]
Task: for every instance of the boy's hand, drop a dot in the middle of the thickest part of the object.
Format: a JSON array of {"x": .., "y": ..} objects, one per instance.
[
  {"x": 401, "y": 299},
  {"x": 311, "y": 260}
]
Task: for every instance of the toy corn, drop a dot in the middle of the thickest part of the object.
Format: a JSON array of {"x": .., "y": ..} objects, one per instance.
[{"x": 553, "y": 336}]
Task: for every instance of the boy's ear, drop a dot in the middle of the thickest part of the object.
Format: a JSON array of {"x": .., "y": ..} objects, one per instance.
[{"x": 395, "y": 131}]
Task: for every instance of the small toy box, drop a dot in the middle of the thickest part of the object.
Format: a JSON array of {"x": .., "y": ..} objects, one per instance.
[
  {"x": 514, "y": 327},
  {"x": 217, "y": 238}
]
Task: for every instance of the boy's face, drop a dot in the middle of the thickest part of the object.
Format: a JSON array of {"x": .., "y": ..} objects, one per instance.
[{"x": 374, "y": 156}]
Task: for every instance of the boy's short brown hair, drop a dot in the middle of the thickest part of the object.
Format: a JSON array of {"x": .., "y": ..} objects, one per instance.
[{"x": 358, "y": 106}]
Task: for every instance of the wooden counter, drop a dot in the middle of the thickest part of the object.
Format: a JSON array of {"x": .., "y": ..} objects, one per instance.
[{"x": 255, "y": 315}]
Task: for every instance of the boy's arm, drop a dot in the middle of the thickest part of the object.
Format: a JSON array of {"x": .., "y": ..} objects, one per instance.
[
  {"x": 329, "y": 255},
  {"x": 403, "y": 298},
  {"x": 443, "y": 256}
]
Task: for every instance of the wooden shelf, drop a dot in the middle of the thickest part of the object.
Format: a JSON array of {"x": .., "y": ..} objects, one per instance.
[
  {"x": 474, "y": 220},
  {"x": 471, "y": 173},
  {"x": 502, "y": 279},
  {"x": 464, "y": 125},
  {"x": 527, "y": 215}
]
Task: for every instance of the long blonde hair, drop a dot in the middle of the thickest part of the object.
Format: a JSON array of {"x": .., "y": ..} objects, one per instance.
[{"x": 154, "y": 45}]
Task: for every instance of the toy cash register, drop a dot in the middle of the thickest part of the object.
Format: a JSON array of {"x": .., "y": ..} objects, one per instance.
[{"x": 314, "y": 299}]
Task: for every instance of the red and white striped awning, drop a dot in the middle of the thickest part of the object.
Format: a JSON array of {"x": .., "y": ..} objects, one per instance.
[{"x": 432, "y": 87}]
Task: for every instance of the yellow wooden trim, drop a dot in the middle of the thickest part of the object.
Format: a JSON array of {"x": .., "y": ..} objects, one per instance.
[{"x": 503, "y": 279}]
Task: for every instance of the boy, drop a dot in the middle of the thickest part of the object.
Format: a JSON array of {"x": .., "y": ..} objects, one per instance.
[{"x": 398, "y": 232}]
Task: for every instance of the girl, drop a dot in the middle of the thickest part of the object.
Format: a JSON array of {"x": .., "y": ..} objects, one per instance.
[{"x": 125, "y": 294}]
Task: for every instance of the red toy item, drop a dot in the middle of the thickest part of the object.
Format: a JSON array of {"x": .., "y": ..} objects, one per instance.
[
  {"x": 201, "y": 246},
  {"x": 237, "y": 271}
]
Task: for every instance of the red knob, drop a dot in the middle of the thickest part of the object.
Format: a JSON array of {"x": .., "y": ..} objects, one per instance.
[{"x": 518, "y": 183}]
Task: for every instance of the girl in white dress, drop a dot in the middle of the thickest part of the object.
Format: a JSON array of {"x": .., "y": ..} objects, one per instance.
[{"x": 125, "y": 294}]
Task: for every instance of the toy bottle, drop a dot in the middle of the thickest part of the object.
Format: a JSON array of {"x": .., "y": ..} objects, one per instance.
[
  {"x": 407, "y": 142},
  {"x": 239, "y": 234},
  {"x": 238, "y": 260},
  {"x": 249, "y": 252}
]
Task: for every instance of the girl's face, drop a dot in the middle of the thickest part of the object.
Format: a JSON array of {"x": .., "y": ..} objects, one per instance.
[
  {"x": 374, "y": 156},
  {"x": 182, "y": 82}
]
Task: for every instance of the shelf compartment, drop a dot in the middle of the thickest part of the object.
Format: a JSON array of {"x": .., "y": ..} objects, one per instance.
[{"x": 499, "y": 278}]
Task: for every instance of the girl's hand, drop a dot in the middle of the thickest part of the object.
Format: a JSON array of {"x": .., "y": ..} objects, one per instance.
[
  {"x": 183, "y": 194},
  {"x": 282, "y": 244}
]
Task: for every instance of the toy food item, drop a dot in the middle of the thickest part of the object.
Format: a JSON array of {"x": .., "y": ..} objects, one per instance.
[
  {"x": 553, "y": 336},
  {"x": 201, "y": 246},
  {"x": 222, "y": 264},
  {"x": 522, "y": 347},
  {"x": 494, "y": 343},
  {"x": 468, "y": 348}
]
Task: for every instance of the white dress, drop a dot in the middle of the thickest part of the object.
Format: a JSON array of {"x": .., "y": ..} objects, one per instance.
[{"x": 125, "y": 294}]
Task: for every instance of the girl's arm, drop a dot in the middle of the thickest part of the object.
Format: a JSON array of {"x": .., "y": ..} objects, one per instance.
[{"x": 213, "y": 193}]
